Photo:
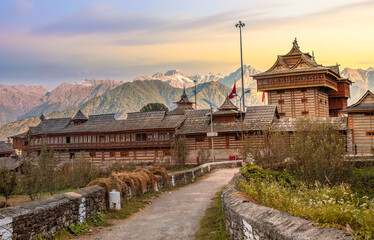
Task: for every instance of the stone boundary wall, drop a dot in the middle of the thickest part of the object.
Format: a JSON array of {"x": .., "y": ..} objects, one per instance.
[
  {"x": 48, "y": 216},
  {"x": 247, "y": 220}
]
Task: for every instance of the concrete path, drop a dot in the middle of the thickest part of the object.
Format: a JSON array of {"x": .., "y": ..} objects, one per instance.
[{"x": 171, "y": 216}]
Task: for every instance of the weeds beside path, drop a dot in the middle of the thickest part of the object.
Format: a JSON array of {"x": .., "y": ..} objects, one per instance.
[{"x": 212, "y": 224}]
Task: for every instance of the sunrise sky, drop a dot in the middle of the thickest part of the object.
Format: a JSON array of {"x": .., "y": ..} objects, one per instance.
[{"x": 49, "y": 42}]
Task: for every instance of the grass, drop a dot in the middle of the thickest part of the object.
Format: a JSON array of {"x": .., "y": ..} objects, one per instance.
[
  {"x": 212, "y": 224},
  {"x": 329, "y": 206}
]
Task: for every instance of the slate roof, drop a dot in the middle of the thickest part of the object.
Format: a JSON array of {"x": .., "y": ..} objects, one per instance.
[
  {"x": 359, "y": 106},
  {"x": 296, "y": 61},
  {"x": 10, "y": 163},
  {"x": 107, "y": 123},
  {"x": 182, "y": 105},
  {"x": 289, "y": 124},
  {"x": 254, "y": 119},
  {"x": 79, "y": 116},
  {"x": 6, "y": 147}
]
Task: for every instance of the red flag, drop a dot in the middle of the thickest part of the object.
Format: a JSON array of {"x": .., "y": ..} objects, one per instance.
[
  {"x": 231, "y": 96},
  {"x": 263, "y": 96}
]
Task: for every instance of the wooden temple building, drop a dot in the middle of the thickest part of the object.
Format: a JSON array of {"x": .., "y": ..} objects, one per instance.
[
  {"x": 361, "y": 124},
  {"x": 297, "y": 86}
]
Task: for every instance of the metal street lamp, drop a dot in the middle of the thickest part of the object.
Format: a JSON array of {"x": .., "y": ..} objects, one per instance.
[
  {"x": 240, "y": 25},
  {"x": 195, "y": 81},
  {"x": 242, "y": 97},
  {"x": 212, "y": 134}
]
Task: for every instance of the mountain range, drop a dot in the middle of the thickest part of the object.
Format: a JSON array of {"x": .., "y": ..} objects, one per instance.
[{"x": 110, "y": 96}]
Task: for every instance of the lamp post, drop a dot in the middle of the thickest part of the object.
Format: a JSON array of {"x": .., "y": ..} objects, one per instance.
[
  {"x": 195, "y": 81},
  {"x": 240, "y": 25},
  {"x": 242, "y": 97},
  {"x": 211, "y": 130}
]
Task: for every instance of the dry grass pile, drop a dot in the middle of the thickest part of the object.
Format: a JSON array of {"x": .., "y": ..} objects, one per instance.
[
  {"x": 139, "y": 181},
  {"x": 161, "y": 173},
  {"x": 102, "y": 182}
]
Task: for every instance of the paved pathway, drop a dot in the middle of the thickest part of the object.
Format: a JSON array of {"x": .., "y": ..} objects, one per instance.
[{"x": 171, "y": 216}]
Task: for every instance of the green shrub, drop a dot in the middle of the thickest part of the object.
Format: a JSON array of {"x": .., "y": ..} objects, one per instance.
[
  {"x": 79, "y": 229},
  {"x": 256, "y": 173},
  {"x": 330, "y": 206},
  {"x": 363, "y": 181}
]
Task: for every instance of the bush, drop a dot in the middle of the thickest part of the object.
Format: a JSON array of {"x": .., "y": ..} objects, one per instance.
[
  {"x": 255, "y": 173},
  {"x": 204, "y": 154},
  {"x": 272, "y": 153},
  {"x": 363, "y": 181},
  {"x": 8, "y": 183},
  {"x": 179, "y": 151},
  {"x": 318, "y": 153},
  {"x": 82, "y": 171}
]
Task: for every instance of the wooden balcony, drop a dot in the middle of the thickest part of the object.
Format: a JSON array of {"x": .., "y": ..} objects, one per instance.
[
  {"x": 296, "y": 81},
  {"x": 109, "y": 145}
]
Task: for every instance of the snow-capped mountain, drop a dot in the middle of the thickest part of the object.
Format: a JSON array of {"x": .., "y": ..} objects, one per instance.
[
  {"x": 178, "y": 79},
  {"x": 236, "y": 76},
  {"x": 363, "y": 80}
]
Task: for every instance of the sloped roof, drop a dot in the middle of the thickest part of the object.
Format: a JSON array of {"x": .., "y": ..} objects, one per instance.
[
  {"x": 9, "y": 163},
  {"x": 359, "y": 106},
  {"x": 261, "y": 114},
  {"x": 79, "y": 116},
  {"x": 228, "y": 105},
  {"x": 6, "y": 147},
  {"x": 296, "y": 61},
  {"x": 184, "y": 98},
  {"x": 289, "y": 124},
  {"x": 182, "y": 105},
  {"x": 107, "y": 123},
  {"x": 256, "y": 118}
]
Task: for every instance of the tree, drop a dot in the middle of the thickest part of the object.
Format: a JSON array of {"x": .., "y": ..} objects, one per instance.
[
  {"x": 8, "y": 182},
  {"x": 179, "y": 151},
  {"x": 30, "y": 181},
  {"x": 154, "y": 107},
  {"x": 47, "y": 164}
]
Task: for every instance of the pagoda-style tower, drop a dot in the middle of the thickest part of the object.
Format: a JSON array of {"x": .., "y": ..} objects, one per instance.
[
  {"x": 299, "y": 86},
  {"x": 182, "y": 105},
  {"x": 228, "y": 112}
]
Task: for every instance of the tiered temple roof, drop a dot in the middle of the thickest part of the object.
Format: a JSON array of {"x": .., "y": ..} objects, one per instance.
[{"x": 296, "y": 61}]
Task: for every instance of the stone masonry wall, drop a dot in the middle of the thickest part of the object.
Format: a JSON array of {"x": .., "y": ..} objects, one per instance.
[
  {"x": 247, "y": 220},
  {"x": 48, "y": 216}
]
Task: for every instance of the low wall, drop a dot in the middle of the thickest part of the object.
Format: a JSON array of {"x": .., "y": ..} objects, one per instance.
[
  {"x": 247, "y": 220},
  {"x": 48, "y": 216}
]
